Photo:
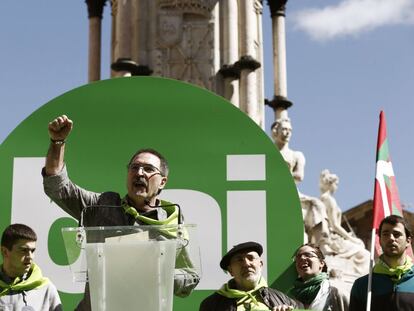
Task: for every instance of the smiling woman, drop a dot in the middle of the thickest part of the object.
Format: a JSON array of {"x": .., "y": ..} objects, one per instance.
[{"x": 312, "y": 286}]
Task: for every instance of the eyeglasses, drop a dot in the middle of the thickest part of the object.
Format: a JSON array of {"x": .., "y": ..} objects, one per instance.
[
  {"x": 146, "y": 168},
  {"x": 306, "y": 255}
]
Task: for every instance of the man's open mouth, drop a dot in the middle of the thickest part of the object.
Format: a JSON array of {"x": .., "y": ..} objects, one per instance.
[{"x": 140, "y": 183}]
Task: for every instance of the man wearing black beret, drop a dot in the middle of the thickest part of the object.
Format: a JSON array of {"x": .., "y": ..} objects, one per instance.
[{"x": 247, "y": 290}]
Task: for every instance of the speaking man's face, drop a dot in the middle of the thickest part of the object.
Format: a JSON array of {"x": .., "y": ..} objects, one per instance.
[{"x": 145, "y": 178}]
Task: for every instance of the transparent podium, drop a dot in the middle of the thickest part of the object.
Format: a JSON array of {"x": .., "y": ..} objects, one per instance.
[{"x": 133, "y": 267}]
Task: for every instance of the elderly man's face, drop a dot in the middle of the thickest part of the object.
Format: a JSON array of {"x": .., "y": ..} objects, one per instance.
[
  {"x": 246, "y": 269},
  {"x": 145, "y": 178}
]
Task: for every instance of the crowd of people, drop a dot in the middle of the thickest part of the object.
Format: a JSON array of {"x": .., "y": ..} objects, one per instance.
[{"x": 23, "y": 287}]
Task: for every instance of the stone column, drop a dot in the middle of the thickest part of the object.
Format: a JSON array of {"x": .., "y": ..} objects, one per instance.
[
  {"x": 122, "y": 50},
  {"x": 125, "y": 19},
  {"x": 248, "y": 62},
  {"x": 280, "y": 103},
  {"x": 230, "y": 49},
  {"x": 260, "y": 71},
  {"x": 114, "y": 12},
  {"x": 95, "y": 10},
  {"x": 140, "y": 21}
]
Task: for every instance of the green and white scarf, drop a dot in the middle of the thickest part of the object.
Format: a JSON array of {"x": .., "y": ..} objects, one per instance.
[
  {"x": 19, "y": 284},
  {"x": 172, "y": 217},
  {"x": 306, "y": 291},
  {"x": 395, "y": 273},
  {"x": 250, "y": 298}
]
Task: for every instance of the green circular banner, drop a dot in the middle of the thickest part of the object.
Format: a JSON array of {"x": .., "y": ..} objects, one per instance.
[{"x": 224, "y": 170}]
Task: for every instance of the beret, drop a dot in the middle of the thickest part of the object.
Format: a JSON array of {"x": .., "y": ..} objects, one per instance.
[{"x": 246, "y": 246}]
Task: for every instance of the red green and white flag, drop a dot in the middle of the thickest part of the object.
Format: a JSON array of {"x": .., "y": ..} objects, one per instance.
[{"x": 386, "y": 198}]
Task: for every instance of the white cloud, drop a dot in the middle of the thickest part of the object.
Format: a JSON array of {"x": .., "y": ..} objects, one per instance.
[{"x": 351, "y": 17}]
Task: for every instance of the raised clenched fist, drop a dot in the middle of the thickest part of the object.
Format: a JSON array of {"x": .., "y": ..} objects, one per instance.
[{"x": 59, "y": 128}]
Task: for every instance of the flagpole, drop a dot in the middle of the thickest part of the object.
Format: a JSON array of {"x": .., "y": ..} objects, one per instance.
[
  {"x": 377, "y": 193},
  {"x": 371, "y": 266}
]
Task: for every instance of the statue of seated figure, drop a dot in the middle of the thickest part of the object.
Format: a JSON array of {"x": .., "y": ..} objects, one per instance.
[
  {"x": 340, "y": 243},
  {"x": 321, "y": 216}
]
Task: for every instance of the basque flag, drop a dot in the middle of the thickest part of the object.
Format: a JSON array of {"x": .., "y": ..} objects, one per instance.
[{"x": 386, "y": 198}]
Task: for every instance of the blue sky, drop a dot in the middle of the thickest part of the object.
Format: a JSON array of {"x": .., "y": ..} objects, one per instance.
[{"x": 346, "y": 60}]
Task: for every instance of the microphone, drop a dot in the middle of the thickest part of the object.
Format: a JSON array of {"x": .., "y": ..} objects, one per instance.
[
  {"x": 80, "y": 236},
  {"x": 95, "y": 216},
  {"x": 80, "y": 231}
]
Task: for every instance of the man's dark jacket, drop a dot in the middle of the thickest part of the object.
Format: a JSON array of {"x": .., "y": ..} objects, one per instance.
[
  {"x": 386, "y": 295},
  {"x": 271, "y": 298}
]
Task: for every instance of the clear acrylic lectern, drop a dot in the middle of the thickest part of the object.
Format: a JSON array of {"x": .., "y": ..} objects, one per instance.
[{"x": 132, "y": 267}]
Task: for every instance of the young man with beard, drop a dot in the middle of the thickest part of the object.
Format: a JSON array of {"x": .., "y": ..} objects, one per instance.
[
  {"x": 22, "y": 285},
  {"x": 247, "y": 290},
  {"x": 146, "y": 177},
  {"x": 393, "y": 274}
]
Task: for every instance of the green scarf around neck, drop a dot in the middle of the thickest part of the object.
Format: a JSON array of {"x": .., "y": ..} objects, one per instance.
[
  {"x": 34, "y": 280},
  {"x": 172, "y": 217},
  {"x": 395, "y": 273},
  {"x": 172, "y": 213},
  {"x": 306, "y": 291},
  {"x": 241, "y": 295}
]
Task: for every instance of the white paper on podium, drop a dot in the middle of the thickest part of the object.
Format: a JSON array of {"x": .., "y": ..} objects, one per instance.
[{"x": 131, "y": 275}]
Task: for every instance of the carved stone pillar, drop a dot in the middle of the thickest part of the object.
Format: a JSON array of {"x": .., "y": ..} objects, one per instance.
[
  {"x": 126, "y": 33},
  {"x": 186, "y": 41},
  {"x": 95, "y": 10},
  {"x": 280, "y": 103},
  {"x": 114, "y": 11},
  {"x": 140, "y": 21},
  {"x": 248, "y": 62},
  {"x": 230, "y": 49},
  {"x": 123, "y": 36}
]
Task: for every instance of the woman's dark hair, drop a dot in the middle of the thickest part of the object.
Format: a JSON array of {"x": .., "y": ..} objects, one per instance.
[{"x": 317, "y": 251}]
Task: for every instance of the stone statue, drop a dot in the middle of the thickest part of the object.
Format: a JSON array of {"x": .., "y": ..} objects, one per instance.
[
  {"x": 313, "y": 210},
  {"x": 340, "y": 243},
  {"x": 315, "y": 220},
  {"x": 281, "y": 133},
  {"x": 346, "y": 255},
  {"x": 328, "y": 184}
]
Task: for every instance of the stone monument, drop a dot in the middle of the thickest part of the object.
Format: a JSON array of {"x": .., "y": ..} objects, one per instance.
[
  {"x": 295, "y": 160},
  {"x": 314, "y": 215},
  {"x": 215, "y": 44},
  {"x": 346, "y": 255}
]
